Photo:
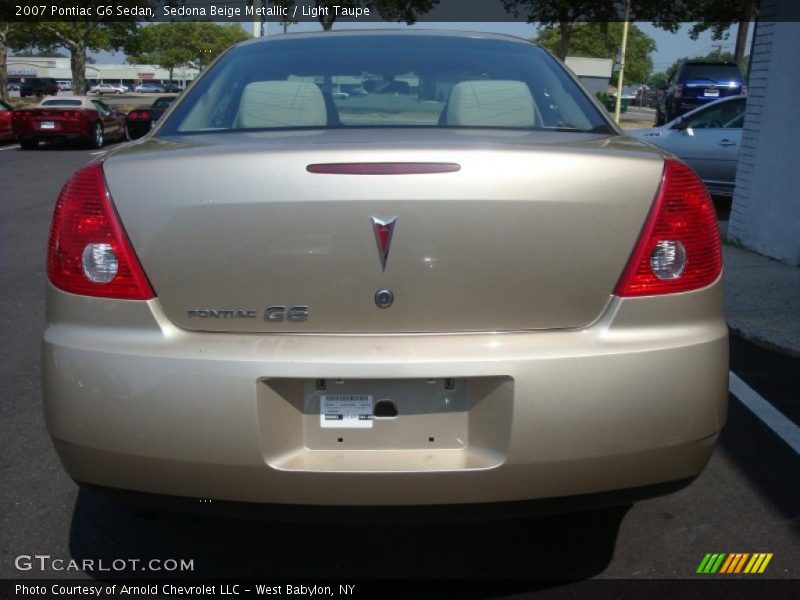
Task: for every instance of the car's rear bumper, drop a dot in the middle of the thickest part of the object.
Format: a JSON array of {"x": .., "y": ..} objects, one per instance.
[{"x": 135, "y": 403}]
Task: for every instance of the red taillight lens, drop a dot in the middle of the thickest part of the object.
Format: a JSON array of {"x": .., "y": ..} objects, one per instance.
[
  {"x": 679, "y": 247},
  {"x": 133, "y": 115},
  {"x": 89, "y": 252},
  {"x": 678, "y": 90},
  {"x": 144, "y": 115}
]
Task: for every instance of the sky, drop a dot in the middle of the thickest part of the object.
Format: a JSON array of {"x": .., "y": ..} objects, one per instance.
[{"x": 669, "y": 46}]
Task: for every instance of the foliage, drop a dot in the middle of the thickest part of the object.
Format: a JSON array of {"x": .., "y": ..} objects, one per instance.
[
  {"x": 563, "y": 15},
  {"x": 602, "y": 40},
  {"x": 400, "y": 11},
  {"x": 716, "y": 16},
  {"x": 171, "y": 45}
]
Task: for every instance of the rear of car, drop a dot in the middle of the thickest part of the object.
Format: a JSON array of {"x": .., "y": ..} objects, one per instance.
[
  {"x": 462, "y": 287},
  {"x": 54, "y": 119},
  {"x": 6, "y": 128},
  {"x": 699, "y": 82},
  {"x": 38, "y": 86},
  {"x": 141, "y": 119}
]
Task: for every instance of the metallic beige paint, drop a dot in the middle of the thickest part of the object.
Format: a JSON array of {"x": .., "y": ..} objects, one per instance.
[
  {"x": 538, "y": 245},
  {"x": 135, "y": 402}
]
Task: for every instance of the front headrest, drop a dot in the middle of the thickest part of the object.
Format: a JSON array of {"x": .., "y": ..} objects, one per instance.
[
  {"x": 490, "y": 104},
  {"x": 281, "y": 104}
]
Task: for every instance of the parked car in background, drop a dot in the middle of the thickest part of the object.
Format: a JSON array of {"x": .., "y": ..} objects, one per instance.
[
  {"x": 172, "y": 88},
  {"x": 108, "y": 88},
  {"x": 140, "y": 120},
  {"x": 695, "y": 83},
  {"x": 707, "y": 139},
  {"x": 64, "y": 85},
  {"x": 38, "y": 86},
  {"x": 149, "y": 88},
  {"x": 496, "y": 296},
  {"x": 13, "y": 87},
  {"x": 68, "y": 118},
  {"x": 6, "y": 129}
]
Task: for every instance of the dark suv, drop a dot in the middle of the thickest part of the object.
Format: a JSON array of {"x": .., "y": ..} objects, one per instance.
[
  {"x": 38, "y": 86},
  {"x": 695, "y": 83}
]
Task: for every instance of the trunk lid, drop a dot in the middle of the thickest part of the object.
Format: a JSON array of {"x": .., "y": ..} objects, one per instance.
[{"x": 532, "y": 232}]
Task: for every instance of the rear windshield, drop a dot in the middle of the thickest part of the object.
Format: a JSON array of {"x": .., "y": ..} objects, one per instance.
[
  {"x": 61, "y": 103},
  {"x": 716, "y": 73},
  {"x": 385, "y": 81},
  {"x": 162, "y": 102}
]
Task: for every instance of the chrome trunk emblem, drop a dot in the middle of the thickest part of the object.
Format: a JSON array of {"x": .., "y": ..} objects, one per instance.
[{"x": 384, "y": 229}]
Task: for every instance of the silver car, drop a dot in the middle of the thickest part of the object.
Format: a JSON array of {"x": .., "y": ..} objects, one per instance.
[
  {"x": 707, "y": 139},
  {"x": 466, "y": 287}
]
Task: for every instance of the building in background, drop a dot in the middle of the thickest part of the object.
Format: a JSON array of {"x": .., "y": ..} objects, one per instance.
[
  {"x": 21, "y": 68},
  {"x": 594, "y": 73},
  {"x": 765, "y": 214}
]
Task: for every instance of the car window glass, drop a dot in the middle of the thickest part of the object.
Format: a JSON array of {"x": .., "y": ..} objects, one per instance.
[
  {"x": 725, "y": 115},
  {"x": 61, "y": 103},
  {"x": 100, "y": 106},
  {"x": 386, "y": 81},
  {"x": 715, "y": 73}
]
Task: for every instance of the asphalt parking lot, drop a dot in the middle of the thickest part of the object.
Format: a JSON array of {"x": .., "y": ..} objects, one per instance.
[{"x": 747, "y": 500}]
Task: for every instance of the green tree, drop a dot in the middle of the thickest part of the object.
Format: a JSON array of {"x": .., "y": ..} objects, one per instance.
[
  {"x": 206, "y": 41},
  {"x": 12, "y": 35},
  {"x": 78, "y": 35},
  {"x": 400, "y": 11},
  {"x": 168, "y": 45},
  {"x": 602, "y": 40},
  {"x": 716, "y": 16},
  {"x": 565, "y": 16}
]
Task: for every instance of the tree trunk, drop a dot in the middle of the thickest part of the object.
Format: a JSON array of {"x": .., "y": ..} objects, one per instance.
[
  {"x": 77, "y": 62},
  {"x": 171, "y": 70},
  {"x": 326, "y": 22},
  {"x": 3, "y": 70},
  {"x": 741, "y": 34},
  {"x": 565, "y": 31}
]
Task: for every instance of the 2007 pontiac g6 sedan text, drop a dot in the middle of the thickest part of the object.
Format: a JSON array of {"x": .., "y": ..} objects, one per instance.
[{"x": 396, "y": 269}]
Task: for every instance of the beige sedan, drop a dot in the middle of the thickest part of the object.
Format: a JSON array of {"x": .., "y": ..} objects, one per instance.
[{"x": 463, "y": 286}]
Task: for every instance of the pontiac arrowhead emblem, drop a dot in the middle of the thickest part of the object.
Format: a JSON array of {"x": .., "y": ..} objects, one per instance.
[{"x": 383, "y": 237}]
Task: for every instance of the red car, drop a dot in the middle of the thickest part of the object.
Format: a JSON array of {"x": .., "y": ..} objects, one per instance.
[
  {"x": 6, "y": 131},
  {"x": 68, "y": 118}
]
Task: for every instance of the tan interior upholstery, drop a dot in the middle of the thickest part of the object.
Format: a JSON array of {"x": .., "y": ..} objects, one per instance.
[
  {"x": 496, "y": 103},
  {"x": 282, "y": 104}
]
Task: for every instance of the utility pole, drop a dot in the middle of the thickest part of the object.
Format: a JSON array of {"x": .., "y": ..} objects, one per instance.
[
  {"x": 621, "y": 76},
  {"x": 256, "y": 20}
]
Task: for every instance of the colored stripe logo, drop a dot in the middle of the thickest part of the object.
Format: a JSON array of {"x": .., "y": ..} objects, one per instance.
[{"x": 735, "y": 562}]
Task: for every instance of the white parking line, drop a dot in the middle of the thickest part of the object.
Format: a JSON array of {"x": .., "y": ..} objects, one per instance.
[
  {"x": 768, "y": 414},
  {"x": 9, "y": 148}
]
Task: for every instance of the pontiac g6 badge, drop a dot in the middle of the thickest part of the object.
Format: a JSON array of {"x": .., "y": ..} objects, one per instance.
[{"x": 383, "y": 237}]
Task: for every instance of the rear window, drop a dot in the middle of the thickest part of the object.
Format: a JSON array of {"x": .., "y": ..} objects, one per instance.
[
  {"x": 162, "y": 102},
  {"x": 56, "y": 102},
  {"x": 716, "y": 73},
  {"x": 385, "y": 81}
]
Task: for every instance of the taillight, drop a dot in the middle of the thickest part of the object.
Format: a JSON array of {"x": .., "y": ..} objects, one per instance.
[
  {"x": 678, "y": 90},
  {"x": 679, "y": 247},
  {"x": 133, "y": 115},
  {"x": 144, "y": 115},
  {"x": 89, "y": 252}
]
